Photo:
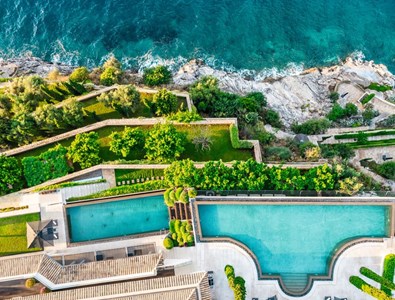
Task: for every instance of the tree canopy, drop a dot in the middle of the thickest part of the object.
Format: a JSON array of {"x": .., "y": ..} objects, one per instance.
[
  {"x": 85, "y": 149},
  {"x": 124, "y": 99},
  {"x": 164, "y": 103},
  {"x": 156, "y": 76},
  {"x": 164, "y": 143},
  {"x": 122, "y": 143},
  {"x": 10, "y": 175}
]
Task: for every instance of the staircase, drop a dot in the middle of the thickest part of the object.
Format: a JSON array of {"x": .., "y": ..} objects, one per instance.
[{"x": 295, "y": 283}]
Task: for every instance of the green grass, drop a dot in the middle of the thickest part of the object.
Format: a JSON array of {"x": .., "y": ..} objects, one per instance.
[
  {"x": 13, "y": 234},
  {"x": 221, "y": 147}
]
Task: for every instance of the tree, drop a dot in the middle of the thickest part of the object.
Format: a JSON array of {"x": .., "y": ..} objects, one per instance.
[
  {"x": 80, "y": 74},
  {"x": 48, "y": 117},
  {"x": 22, "y": 129},
  {"x": 122, "y": 143},
  {"x": 350, "y": 110},
  {"x": 48, "y": 165},
  {"x": 164, "y": 103},
  {"x": 124, "y": 99},
  {"x": 73, "y": 113},
  {"x": 164, "y": 143},
  {"x": 85, "y": 149},
  {"x": 10, "y": 175},
  {"x": 156, "y": 76},
  {"x": 112, "y": 62}
]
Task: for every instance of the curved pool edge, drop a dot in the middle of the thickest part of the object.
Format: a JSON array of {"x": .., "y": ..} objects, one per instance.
[
  {"x": 311, "y": 278},
  {"x": 336, "y": 253}
]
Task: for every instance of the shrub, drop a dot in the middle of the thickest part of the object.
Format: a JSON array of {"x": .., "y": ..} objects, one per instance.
[
  {"x": 110, "y": 76},
  {"x": 272, "y": 117},
  {"x": 53, "y": 74},
  {"x": 11, "y": 179},
  {"x": 376, "y": 277},
  {"x": 164, "y": 103},
  {"x": 156, "y": 76},
  {"x": 236, "y": 142},
  {"x": 29, "y": 283},
  {"x": 336, "y": 113},
  {"x": 168, "y": 243},
  {"x": 387, "y": 170},
  {"x": 367, "y": 98},
  {"x": 192, "y": 193},
  {"x": 313, "y": 126},
  {"x": 80, "y": 74},
  {"x": 334, "y": 96},
  {"x": 387, "y": 123},
  {"x": 229, "y": 271},
  {"x": 185, "y": 116},
  {"x": 237, "y": 284},
  {"x": 278, "y": 153},
  {"x": 378, "y": 87},
  {"x": 388, "y": 271},
  {"x": 368, "y": 289},
  {"x": 313, "y": 153},
  {"x": 123, "y": 143}
]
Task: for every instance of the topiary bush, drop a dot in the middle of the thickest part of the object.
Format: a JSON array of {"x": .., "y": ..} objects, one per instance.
[
  {"x": 29, "y": 283},
  {"x": 168, "y": 243}
]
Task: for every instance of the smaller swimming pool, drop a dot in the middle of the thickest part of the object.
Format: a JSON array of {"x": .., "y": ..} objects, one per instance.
[{"x": 117, "y": 218}]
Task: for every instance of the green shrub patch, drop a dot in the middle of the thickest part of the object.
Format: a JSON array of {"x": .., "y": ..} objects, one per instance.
[
  {"x": 180, "y": 234},
  {"x": 237, "y": 284}
]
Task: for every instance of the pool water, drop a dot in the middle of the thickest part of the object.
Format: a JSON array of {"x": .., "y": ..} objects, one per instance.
[
  {"x": 117, "y": 218},
  {"x": 293, "y": 239}
]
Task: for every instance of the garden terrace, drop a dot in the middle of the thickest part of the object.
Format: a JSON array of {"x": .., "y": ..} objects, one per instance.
[{"x": 216, "y": 129}]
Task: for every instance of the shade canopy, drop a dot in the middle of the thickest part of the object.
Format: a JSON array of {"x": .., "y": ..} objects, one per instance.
[{"x": 36, "y": 238}]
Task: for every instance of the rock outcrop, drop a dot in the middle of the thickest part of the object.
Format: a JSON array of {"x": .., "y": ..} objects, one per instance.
[{"x": 297, "y": 98}]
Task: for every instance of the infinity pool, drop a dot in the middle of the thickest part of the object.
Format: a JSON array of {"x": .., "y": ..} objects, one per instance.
[
  {"x": 293, "y": 239},
  {"x": 117, "y": 218}
]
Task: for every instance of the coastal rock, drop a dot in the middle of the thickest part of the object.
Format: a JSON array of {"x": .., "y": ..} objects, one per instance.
[
  {"x": 29, "y": 65},
  {"x": 296, "y": 98}
]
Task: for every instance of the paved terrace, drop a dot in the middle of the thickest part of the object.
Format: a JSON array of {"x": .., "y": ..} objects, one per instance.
[
  {"x": 55, "y": 276},
  {"x": 182, "y": 287}
]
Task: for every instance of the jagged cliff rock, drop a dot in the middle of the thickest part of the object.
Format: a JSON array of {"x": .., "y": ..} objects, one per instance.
[{"x": 296, "y": 97}]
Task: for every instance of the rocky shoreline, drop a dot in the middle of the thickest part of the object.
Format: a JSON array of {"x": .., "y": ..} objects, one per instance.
[{"x": 295, "y": 97}]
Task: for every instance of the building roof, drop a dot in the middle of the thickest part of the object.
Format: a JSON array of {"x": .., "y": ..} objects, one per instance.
[
  {"x": 47, "y": 268},
  {"x": 181, "y": 287}
]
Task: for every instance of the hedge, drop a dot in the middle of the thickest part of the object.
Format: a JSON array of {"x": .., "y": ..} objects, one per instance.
[
  {"x": 378, "y": 87},
  {"x": 388, "y": 271},
  {"x": 355, "y": 135},
  {"x": 12, "y": 208},
  {"x": 66, "y": 184},
  {"x": 236, "y": 142},
  {"x": 237, "y": 284},
  {"x": 387, "y": 284},
  {"x": 125, "y": 189},
  {"x": 367, "y": 98},
  {"x": 368, "y": 289}
]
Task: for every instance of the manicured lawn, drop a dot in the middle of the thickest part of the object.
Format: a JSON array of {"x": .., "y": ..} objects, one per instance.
[
  {"x": 221, "y": 147},
  {"x": 13, "y": 234}
]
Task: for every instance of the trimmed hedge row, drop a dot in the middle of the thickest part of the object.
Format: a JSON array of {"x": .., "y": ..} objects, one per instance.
[
  {"x": 12, "y": 208},
  {"x": 389, "y": 285},
  {"x": 356, "y": 135},
  {"x": 237, "y": 284},
  {"x": 66, "y": 184},
  {"x": 368, "y": 289},
  {"x": 236, "y": 142},
  {"x": 388, "y": 271},
  {"x": 125, "y": 189},
  {"x": 367, "y": 98}
]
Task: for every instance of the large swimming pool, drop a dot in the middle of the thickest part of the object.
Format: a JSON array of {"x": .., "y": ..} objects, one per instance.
[
  {"x": 293, "y": 239},
  {"x": 117, "y": 218}
]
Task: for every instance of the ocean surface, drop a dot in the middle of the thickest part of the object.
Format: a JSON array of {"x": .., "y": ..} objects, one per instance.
[{"x": 265, "y": 36}]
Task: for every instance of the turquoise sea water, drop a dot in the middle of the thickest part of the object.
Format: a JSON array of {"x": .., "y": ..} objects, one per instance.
[
  {"x": 244, "y": 34},
  {"x": 118, "y": 218},
  {"x": 293, "y": 239}
]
